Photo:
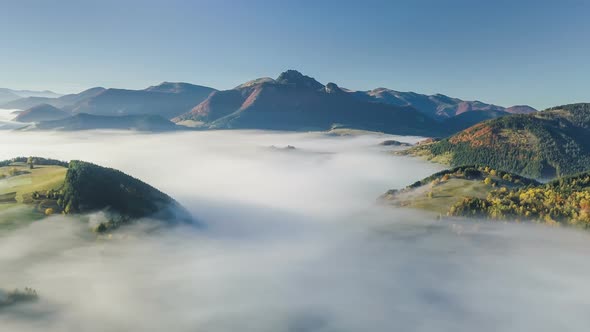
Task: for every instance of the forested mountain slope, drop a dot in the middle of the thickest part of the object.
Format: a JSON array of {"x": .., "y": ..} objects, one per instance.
[{"x": 554, "y": 142}]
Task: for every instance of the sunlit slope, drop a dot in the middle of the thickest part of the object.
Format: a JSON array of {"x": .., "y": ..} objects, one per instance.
[
  {"x": 18, "y": 187},
  {"x": 437, "y": 193},
  {"x": 25, "y": 181},
  {"x": 482, "y": 192},
  {"x": 438, "y": 198},
  {"x": 51, "y": 187},
  {"x": 554, "y": 142}
]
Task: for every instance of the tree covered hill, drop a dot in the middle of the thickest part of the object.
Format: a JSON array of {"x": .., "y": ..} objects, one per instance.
[
  {"x": 554, "y": 142},
  {"x": 563, "y": 201},
  {"x": 50, "y": 186},
  {"x": 483, "y": 192}
]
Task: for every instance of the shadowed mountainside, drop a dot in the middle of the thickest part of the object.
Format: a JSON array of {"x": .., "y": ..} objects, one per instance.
[
  {"x": 148, "y": 123},
  {"x": 167, "y": 100},
  {"x": 43, "y": 112},
  {"x": 60, "y": 102},
  {"x": 297, "y": 102},
  {"x": 292, "y": 101}
]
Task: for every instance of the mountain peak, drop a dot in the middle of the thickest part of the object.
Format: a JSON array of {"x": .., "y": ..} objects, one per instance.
[
  {"x": 298, "y": 79},
  {"x": 176, "y": 87},
  {"x": 332, "y": 88},
  {"x": 254, "y": 82},
  {"x": 43, "y": 106},
  {"x": 520, "y": 109},
  {"x": 42, "y": 112}
]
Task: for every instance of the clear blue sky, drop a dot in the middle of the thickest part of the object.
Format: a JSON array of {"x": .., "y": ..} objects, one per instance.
[{"x": 504, "y": 52}]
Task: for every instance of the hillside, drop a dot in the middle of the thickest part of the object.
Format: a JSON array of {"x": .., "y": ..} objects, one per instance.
[
  {"x": 554, "y": 142},
  {"x": 563, "y": 201},
  {"x": 89, "y": 187},
  {"x": 468, "y": 119},
  {"x": 438, "y": 192},
  {"x": 297, "y": 102},
  {"x": 59, "y": 102},
  {"x": 31, "y": 93},
  {"x": 167, "y": 100},
  {"x": 482, "y": 192},
  {"x": 51, "y": 186},
  {"x": 520, "y": 109},
  {"x": 7, "y": 96},
  {"x": 43, "y": 112},
  {"x": 437, "y": 106},
  {"x": 148, "y": 123},
  {"x": 292, "y": 101}
]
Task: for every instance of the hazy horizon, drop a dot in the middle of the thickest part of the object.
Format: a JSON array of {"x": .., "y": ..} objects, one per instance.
[{"x": 274, "y": 77}]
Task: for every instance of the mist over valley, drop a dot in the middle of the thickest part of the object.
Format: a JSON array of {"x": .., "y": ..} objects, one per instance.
[{"x": 289, "y": 240}]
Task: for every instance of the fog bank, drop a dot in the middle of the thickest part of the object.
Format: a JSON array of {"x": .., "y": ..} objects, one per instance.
[{"x": 293, "y": 241}]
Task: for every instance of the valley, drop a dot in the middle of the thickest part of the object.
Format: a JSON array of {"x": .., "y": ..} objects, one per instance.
[
  {"x": 294, "y": 166},
  {"x": 301, "y": 221}
]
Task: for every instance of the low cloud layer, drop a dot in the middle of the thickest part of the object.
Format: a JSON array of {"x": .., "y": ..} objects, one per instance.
[
  {"x": 293, "y": 241},
  {"x": 6, "y": 120}
]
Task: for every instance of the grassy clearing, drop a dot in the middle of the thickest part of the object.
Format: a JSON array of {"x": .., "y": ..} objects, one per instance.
[
  {"x": 443, "y": 195},
  {"x": 422, "y": 151},
  {"x": 17, "y": 188},
  {"x": 41, "y": 178}
]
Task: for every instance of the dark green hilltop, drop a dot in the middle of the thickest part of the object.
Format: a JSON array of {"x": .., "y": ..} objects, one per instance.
[
  {"x": 47, "y": 186},
  {"x": 549, "y": 143}
]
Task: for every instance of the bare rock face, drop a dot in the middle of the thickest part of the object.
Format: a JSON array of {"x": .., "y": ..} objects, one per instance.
[
  {"x": 294, "y": 77},
  {"x": 332, "y": 88}
]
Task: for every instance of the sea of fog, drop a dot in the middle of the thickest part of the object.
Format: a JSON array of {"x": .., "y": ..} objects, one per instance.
[
  {"x": 6, "y": 120},
  {"x": 288, "y": 240}
]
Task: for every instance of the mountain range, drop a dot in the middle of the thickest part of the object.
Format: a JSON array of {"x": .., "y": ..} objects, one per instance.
[
  {"x": 59, "y": 102},
  {"x": 7, "y": 95},
  {"x": 298, "y": 102},
  {"x": 436, "y": 106},
  {"x": 84, "y": 121},
  {"x": 292, "y": 101},
  {"x": 167, "y": 100}
]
